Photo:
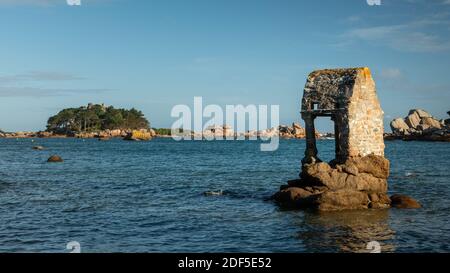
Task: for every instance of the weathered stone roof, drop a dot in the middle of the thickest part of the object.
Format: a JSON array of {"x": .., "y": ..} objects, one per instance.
[
  {"x": 335, "y": 73},
  {"x": 330, "y": 88}
]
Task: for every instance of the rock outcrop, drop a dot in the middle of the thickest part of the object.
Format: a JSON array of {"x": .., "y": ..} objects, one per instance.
[
  {"x": 225, "y": 131},
  {"x": 103, "y": 134},
  {"x": 404, "y": 202},
  {"x": 138, "y": 135},
  {"x": 217, "y": 131},
  {"x": 294, "y": 131},
  {"x": 420, "y": 125},
  {"x": 359, "y": 183},
  {"x": 55, "y": 159}
]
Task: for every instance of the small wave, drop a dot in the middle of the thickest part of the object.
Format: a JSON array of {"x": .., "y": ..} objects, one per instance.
[{"x": 214, "y": 193}]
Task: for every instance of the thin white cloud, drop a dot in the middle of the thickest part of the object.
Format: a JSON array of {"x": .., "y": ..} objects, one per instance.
[
  {"x": 353, "y": 18},
  {"x": 39, "y": 76},
  {"x": 32, "y": 2},
  {"x": 8, "y": 91},
  {"x": 415, "y": 36},
  {"x": 391, "y": 73},
  {"x": 30, "y": 84},
  {"x": 46, "y": 3}
]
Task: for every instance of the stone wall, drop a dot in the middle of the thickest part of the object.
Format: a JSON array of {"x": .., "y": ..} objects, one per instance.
[{"x": 365, "y": 118}]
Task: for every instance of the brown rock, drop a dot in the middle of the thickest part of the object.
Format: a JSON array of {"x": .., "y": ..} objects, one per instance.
[
  {"x": 373, "y": 197},
  {"x": 375, "y": 165},
  {"x": 39, "y": 148},
  {"x": 295, "y": 183},
  {"x": 55, "y": 158},
  {"x": 312, "y": 170},
  {"x": 367, "y": 173},
  {"x": 350, "y": 168},
  {"x": 341, "y": 200},
  {"x": 366, "y": 182},
  {"x": 404, "y": 202},
  {"x": 379, "y": 201},
  {"x": 290, "y": 197}
]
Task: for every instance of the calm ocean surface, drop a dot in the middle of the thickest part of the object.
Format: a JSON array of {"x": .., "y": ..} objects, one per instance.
[{"x": 119, "y": 196}]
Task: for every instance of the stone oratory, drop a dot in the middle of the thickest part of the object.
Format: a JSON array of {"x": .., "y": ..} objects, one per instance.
[
  {"x": 357, "y": 177},
  {"x": 349, "y": 97}
]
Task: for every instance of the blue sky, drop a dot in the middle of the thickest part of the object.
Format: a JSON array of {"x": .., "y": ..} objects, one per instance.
[{"x": 153, "y": 54}]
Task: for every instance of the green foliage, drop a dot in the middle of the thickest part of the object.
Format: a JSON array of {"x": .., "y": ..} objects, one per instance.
[{"x": 96, "y": 117}]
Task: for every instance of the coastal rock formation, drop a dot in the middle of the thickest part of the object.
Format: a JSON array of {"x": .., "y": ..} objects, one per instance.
[
  {"x": 218, "y": 131},
  {"x": 225, "y": 131},
  {"x": 294, "y": 131},
  {"x": 357, "y": 177},
  {"x": 55, "y": 159},
  {"x": 420, "y": 125},
  {"x": 358, "y": 183},
  {"x": 103, "y": 134},
  {"x": 137, "y": 135}
]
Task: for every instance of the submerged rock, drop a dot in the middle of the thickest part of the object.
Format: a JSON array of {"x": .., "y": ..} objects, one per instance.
[
  {"x": 211, "y": 193},
  {"x": 39, "y": 148},
  {"x": 55, "y": 158},
  {"x": 404, "y": 202}
]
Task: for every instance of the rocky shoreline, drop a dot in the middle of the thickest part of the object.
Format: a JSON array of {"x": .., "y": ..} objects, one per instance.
[
  {"x": 126, "y": 134},
  {"x": 294, "y": 131}
]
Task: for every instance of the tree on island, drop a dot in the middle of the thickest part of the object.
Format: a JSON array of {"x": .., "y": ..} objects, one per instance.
[{"x": 96, "y": 117}]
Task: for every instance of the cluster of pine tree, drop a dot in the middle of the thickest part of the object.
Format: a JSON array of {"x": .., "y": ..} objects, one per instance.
[{"x": 96, "y": 117}]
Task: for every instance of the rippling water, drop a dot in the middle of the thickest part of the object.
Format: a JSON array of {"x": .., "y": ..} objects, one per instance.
[{"x": 119, "y": 196}]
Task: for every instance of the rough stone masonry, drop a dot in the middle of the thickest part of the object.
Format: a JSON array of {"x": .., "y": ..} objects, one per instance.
[{"x": 357, "y": 177}]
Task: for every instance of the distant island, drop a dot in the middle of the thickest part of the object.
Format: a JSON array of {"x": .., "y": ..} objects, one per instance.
[
  {"x": 105, "y": 122},
  {"x": 95, "y": 118},
  {"x": 94, "y": 121}
]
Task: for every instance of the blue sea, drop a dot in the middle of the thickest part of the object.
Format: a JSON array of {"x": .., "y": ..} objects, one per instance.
[{"x": 118, "y": 196}]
